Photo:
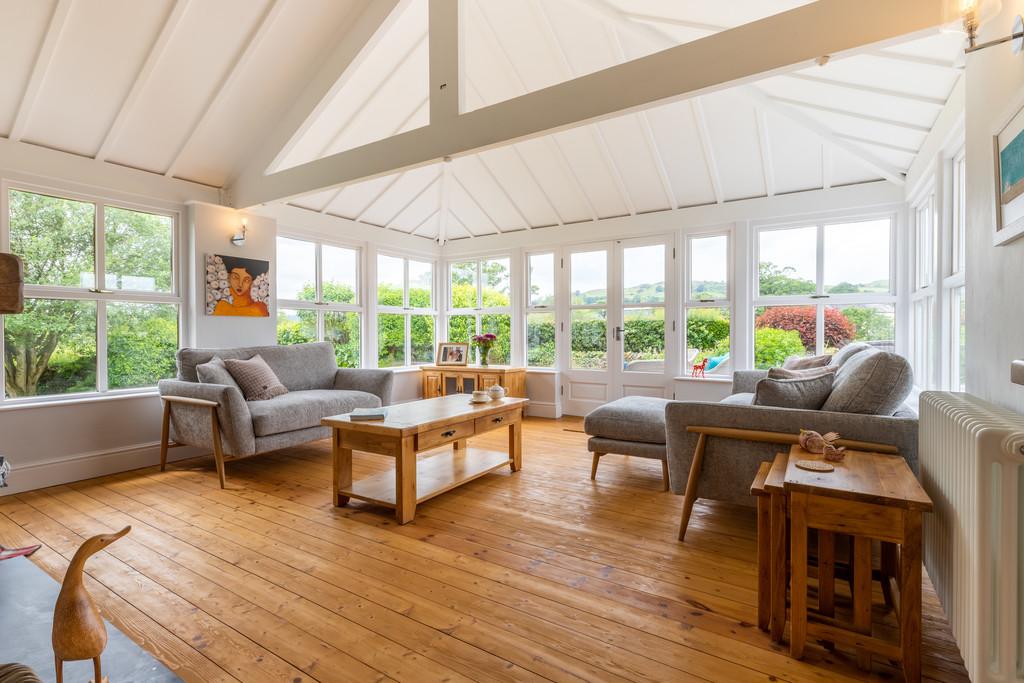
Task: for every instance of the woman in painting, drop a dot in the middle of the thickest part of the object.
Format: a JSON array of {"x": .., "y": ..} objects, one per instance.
[{"x": 241, "y": 273}]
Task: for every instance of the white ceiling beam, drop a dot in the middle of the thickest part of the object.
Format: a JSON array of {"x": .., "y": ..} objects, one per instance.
[
  {"x": 877, "y": 143},
  {"x": 171, "y": 24},
  {"x": 389, "y": 223},
  {"x": 445, "y": 59},
  {"x": 709, "y": 149},
  {"x": 645, "y": 124},
  {"x": 766, "y": 151},
  {"x": 424, "y": 222},
  {"x": 355, "y": 40},
  {"x": 51, "y": 39},
  {"x": 475, "y": 201},
  {"x": 860, "y": 87},
  {"x": 501, "y": 187},
  {"x": 849, "y": 114},
  {"x": 827, "y": 135},
  {"x": 548, "y": 29},
  {"x": 833, "y": 27},
  {"x": 394, "y": 180},
  {"x": 252, "y": 43},
  {"x": 445, "y": 209}
]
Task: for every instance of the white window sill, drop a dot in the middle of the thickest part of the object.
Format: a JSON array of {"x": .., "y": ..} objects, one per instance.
[
  {"x": 29, "y": 404},
  {"x": 713, "y": 380}
]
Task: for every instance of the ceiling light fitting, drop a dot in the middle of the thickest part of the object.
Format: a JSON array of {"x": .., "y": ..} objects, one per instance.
[{"x": 973, "y": 13}]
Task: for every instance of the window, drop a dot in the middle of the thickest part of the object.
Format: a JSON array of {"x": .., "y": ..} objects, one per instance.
[
  {"x": 708, "y": 307},
  {"x": 954, "y": 284},
  {"x": 540, "y": 310},
  {"x": 823, "y": 286},
  {"x": 76, "y": 337},
  {"x": 588, "y": 315},
  {"x": 405, "y": 311},
  {"x": 643, "y": 312},
  {"x": 480, "y": 301},
  {"x": 318, "y": 297},
  {"x": 922, "y": 297}
]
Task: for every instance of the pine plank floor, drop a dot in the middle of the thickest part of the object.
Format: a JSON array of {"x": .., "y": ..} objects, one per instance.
[{"x": 540, "y": 575}]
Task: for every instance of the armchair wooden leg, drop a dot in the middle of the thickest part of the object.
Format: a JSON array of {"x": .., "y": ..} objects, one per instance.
[
  {"x": 218, "y": 448},
  {"x": 165, "y": 435},
  {"x": 593, "y": 467},
  {"x": 691, "y": 485},
  {"x": 664, "y": 475}
]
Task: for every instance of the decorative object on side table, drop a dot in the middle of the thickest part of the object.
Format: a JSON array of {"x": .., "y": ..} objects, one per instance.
[
  {"x": 484, "y": 342},
  {"x": 834, "y": 453},
  {"x": 78, "y": 629},
  {"x": 813, "y": 442},
  {"x": 496, "y": 391}
]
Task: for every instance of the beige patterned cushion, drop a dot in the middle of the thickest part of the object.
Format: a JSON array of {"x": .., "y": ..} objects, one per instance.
[
  {"x": 808, "y": 393},
  {"x": 804, "y": 362},
  {"x": 255, "y": 378}
]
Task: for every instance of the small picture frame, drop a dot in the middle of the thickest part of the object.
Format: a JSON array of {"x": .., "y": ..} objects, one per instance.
[
  {"x": 452, "y": 353},
  {"x": 1008, "y": 150}
]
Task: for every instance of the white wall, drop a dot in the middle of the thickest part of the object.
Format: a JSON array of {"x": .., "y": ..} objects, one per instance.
[
  {"x": 210, "y": 228},
  {"x": 995, "y": 307}
]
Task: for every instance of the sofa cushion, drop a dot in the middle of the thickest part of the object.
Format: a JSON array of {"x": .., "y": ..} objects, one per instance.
[
  {"x": 804, "y": 362},
  {"x": 803, "y": 373},
  {"x": 872, "y": 382},
  {"x": 255, "y": 378},
  {"x": 633, "y": 418},
  {"x": 304, "y": 409},
  {"x": 215, "y": 372},
  {"x": 298, "y": 366},
  {"x": 745, "y": 398},
  {"x": 844, "y": 354},
  {"x": 806, "y": 393}
]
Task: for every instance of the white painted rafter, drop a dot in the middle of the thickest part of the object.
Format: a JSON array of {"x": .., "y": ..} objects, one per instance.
[
  {"x": 156, "y": 52},
  {"x": 849, "y": 114},
  {"x": 445, "y": 210},
  {"x": 51, "y": 39},
  {"x": 249, "y": 48},
  {"x": 834, "y": 27},
  {"x": 875, "y": 90},
  {"x": 494, "y": 179},
  {"x": 827, "y": 135},
  {"x": 390, "y": 223},
  {"x": 462, "y": 223},
  {"x": 423, "y": 222},
  {"x": 766, "y": 151},
  {"x": 709, "y": 149},
  {"x": 480, "y": 207},
  {"x": 877, "y": 143}
]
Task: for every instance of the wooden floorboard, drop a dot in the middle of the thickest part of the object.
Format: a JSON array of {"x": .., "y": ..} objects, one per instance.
[{"x": 539, "y": 575}]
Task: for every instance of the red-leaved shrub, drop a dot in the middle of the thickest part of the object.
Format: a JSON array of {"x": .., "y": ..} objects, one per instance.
[{"x": 839, "y": 331}]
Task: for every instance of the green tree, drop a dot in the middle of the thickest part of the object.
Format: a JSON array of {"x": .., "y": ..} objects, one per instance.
[
  {"x": 779, "y": 281},
  {"x": 706, "y": 328},
  {"x": 772, "y": 346},
  {"x": 870, "y": 323}
]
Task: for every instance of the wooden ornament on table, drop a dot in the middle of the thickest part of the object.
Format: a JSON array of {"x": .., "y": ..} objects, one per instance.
[
  {"x": 78, "y": 629},
  {"x": 12, "y": 278}
]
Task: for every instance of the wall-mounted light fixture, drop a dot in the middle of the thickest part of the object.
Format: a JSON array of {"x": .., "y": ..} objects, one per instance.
[
  {"x": 238, "y": 239},
  {"x": 971, "y": 14}
]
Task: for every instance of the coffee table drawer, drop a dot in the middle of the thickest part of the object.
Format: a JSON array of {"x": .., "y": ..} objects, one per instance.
[
  {"x": 443, "y": 435},
  {"x": 484, "y": 424}
]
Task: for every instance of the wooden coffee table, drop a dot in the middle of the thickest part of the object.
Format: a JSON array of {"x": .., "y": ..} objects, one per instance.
[{"x": 419, "y": 426}]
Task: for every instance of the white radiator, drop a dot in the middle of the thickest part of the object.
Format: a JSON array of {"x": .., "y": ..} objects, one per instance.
[{"x": 971, "y": 455}]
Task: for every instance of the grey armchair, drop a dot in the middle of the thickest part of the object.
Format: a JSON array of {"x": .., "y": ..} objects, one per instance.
[
  {"x": 714, "y": 449},
  {"x": 217, "y": 416}
]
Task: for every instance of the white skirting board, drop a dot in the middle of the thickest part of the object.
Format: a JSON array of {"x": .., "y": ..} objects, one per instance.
[
  {"x": 73, "y": 468},
  {"x": 542, "y": 409}
]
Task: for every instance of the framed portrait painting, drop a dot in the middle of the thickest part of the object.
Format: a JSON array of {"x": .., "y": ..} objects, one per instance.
[
  {"x": 237, "y": 286},
  {"x": 452, "y": 353},
  {"x": 1008, "y": 148}
]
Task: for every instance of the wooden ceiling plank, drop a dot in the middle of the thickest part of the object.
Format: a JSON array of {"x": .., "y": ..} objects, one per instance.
[
  {"x": 826, "y": 134},
  {"x": 44, "y": 58},
  {"x": 501, "y": 187},
  {"x": 835, "y": 27},
  {"x": 252, "y": 43},
  {"x": 156, "y": 52},
  {"x": 424, "y": 222},
  {"x": 708, "y": 147}
]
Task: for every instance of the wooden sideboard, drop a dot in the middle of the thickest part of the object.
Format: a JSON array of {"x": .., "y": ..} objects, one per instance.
[{"x": 444, "y": 380}]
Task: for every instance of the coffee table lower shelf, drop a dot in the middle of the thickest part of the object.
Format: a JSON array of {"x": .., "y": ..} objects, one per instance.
[{"x": 435, "y": 474}]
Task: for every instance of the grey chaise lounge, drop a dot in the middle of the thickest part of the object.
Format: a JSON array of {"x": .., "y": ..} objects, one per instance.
[
  {"x": 216, "y": 416},
  {"x": 634, "y": 425}
]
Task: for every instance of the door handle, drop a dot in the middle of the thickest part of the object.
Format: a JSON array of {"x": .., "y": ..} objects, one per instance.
[{"x": 619, "y": 331}]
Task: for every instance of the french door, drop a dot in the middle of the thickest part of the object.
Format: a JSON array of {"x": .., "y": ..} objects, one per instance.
[{"x": 617, "y": 340}]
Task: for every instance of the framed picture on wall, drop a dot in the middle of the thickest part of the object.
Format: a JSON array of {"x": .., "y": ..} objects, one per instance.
[
  {"x": 1008, "y": 148},
  {"x": 452, "y": 353},
  {"x": 237, "y": 286}
]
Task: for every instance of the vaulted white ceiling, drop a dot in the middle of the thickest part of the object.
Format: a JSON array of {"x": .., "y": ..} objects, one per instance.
[{"x": 185, "y": 88}]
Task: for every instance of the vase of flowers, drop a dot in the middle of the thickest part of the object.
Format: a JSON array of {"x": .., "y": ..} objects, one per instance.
[{"x": 484, "y": 342}]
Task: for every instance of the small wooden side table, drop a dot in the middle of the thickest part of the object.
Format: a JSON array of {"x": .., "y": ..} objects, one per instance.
[{"x": 868, "y": 496}]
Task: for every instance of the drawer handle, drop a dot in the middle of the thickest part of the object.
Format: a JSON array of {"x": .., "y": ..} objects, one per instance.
[
  {"x": 450, "y": 432},
  {"x": 498, "y": 419}
]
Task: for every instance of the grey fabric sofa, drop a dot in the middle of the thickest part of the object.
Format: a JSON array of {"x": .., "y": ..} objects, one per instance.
[
  {"x": 729, "y": 464},
  {"x": 216, "y": 416}
]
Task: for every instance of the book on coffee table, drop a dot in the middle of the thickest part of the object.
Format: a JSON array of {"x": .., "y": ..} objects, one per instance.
[{"x": 367, "y": 414}]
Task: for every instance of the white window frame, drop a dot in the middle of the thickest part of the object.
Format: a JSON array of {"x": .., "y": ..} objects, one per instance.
[
  {"x": 822, "y": 299},
  {"x": 690, "y": 303},
  {"x": 97, "y": 294},
  {"x": 479, "y": 311},
  {"x": 319, "y": 306},
  {"x": 954, "y": 272},
  {"x": 924, "y": 268},
  {"x": 405, "y": 309},
  {"x": 551, "y": 309}
]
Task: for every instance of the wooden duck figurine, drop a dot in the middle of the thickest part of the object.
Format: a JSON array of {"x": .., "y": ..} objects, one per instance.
[{"x": 78, "y": 630}]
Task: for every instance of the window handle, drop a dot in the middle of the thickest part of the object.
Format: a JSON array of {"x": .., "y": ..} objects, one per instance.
[
  {"x": 707, "y": 301},
  {"x": 618, "y": 333},
  {"x": 819, "y": 296},
  {"x": 99, "y": 291}
]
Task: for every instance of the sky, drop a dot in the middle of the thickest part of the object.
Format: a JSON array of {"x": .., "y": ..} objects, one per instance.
[{"x": 854, "y": 252}]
